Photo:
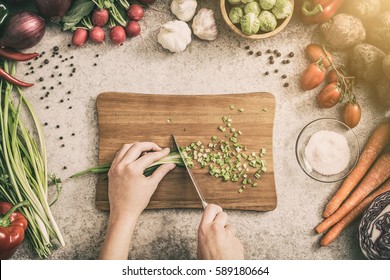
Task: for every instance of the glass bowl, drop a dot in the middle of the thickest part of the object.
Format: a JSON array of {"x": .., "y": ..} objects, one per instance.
[{"x": 333, "y": 125}]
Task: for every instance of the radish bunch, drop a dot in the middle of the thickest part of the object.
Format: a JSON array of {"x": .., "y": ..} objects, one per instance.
[{"x": 120, "y": 18}]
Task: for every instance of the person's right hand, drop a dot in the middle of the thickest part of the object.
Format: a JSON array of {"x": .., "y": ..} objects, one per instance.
[{"x": 216, "y": 238}]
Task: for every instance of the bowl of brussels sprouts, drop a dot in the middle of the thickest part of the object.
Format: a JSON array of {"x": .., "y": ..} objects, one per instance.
[{"x": 257, "y": 19}]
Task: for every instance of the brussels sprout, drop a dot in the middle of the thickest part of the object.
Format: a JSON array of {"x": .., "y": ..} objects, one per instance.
[
  {"x": 267, "y": 4},
  {"x": 235, "y": 2},
  {"x": 250, "y": 24},
  {"x": 235, "y": 14},
  {"x": 267, "y": 21},
  {"x": 247, "y": 1},
  {"x": 252, "y": 7},
  {"x": 282, "y": 9}
]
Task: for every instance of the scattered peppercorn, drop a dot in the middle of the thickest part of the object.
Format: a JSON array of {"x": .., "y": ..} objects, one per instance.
[
  {"x": 276, "y": 51},
  {"x": 43, "y": 87},
  {"x": 45, "y": 123},
  {"x": 276, "y": 70},
  {"x": 69, "y": 92},
  {"x": 32, "y": 72},
  {"x": 51, "y": 87},
  {"x": 271, "y": 57},
  {"x": 63, "y": 145},
  {"x": 291, "y": 54},
  {"x": 62, "y": 100},
  {"x": 71, "y": 74},
  {"x": 247, "y": 47},
  {"x": 94, "y": 64},
  {"x": 60, "y": 74},
  {"x": 286, "y": 85},
  {"x": 284, "y": 76},
  {"x": 46, "y": 61},
  {"x": 28, "y": 63},
  {"x": 287, "y": 61},
  {"x": 43, "y": 52},
  {"x": 74, "y": 70},
  {"x": 47, "y": 107},
  {"x": 71, "y": 57},
  {"x": 250, "y": 52},
  {"x": 36, "y": 58},
  {"x": 73, "y": 134},
  {"x": 26, "y": 74},
  {"x": 52, "y": 75},
  {"x": 269, "y": 51},
  {"x": 56, "y": 48},
  {"x": 64, "y": 167},
  {"x": 56, "y": 67},
  {"x": 41, "y": 97},
  {"x": 57, "y": 126},
  {"x": 266, "y": 73},
  {"x": 70, "y": 107},
  {"x": 40, "y": 66},
  {"x": 278, "y": 54},
  {"x": 40, "y": 79},
  {"x": 271, "y": 61},
  {"x": 60, "y": 83},
  {"x": 259, "y": 53},
  {"x": 61, "y": 137},
  {"x": 69, "y": 45},
  {"x": 97, "y": 55}
]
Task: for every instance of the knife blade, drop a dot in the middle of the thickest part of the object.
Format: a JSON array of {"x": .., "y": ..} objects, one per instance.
[{"x": 204, "y": 203}]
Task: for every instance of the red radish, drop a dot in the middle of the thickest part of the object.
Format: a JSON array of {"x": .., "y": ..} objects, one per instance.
[
  {"x": 118, "y": 35},
  {"x": 133, "y": 29},
  {"x": 135, "y": 12},
  {"x": 79, "y": 37},
  {"x": 146, "y": 2},
  {"x": 100, "y": 17},
  {"x": 96, "y": 34}
]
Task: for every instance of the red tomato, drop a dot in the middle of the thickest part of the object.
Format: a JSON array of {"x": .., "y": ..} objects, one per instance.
[
  {"x": 329, "y": 96},
  {"x": 312, "y": 77},
  {"x": 332, "y": 76},
  {"x": 352, "y": 114},
  {"x": 315, "y": 53}
]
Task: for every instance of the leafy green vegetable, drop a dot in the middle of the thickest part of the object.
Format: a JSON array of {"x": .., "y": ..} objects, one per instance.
[
  {"x": 282, "y": 9},
  {"x": 252, "y": 7},
  {"x": 78, "y": 10},
  {"x": 250, "y": 24},
  {"x": 267, "y": 21},
  {"x": 235, "y": 14}
]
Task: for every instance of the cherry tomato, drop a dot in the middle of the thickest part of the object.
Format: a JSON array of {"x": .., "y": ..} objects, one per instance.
[
  {"x": 332, "y": 76},
  {"x": 315, "y": 53},
  {"x": 312, "y": 77},
  {"x": 352, "y": 114},
  {"x": 329, "y": 96}
]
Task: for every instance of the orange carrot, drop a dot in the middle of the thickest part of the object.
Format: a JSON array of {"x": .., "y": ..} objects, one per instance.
[
  {"x": 335, "y": 231},
  {"x": 375, "y": 144},
  {"x": 378, "y": 173}
]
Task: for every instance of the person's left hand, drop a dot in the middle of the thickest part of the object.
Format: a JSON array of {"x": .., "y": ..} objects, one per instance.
[{"x": 129, "y": 191}]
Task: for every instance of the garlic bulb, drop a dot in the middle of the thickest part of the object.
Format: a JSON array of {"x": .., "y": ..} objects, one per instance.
[
  {"x": 184, "y": 9},
  {"x": 204, "y": 26},
  {"x": 174, "y": 36}
]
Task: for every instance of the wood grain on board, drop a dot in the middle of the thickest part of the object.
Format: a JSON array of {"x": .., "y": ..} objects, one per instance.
[{"x": 128, "y": 117}]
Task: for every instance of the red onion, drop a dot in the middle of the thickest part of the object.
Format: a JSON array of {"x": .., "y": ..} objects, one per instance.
[
  {"x": 53, "y": 8},
  {"x": 23, "y": 30}
]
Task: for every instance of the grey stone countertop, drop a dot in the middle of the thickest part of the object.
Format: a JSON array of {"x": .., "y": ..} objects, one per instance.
[{"x": 221, "y": 66}]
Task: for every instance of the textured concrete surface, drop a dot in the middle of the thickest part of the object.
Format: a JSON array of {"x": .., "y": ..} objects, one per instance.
[{"x": 221, "y": 66}]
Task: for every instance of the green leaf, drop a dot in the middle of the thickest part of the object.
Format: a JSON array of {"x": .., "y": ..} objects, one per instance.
[{"x": 79, "y": 9}]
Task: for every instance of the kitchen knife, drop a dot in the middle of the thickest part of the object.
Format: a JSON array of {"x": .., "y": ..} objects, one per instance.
[{"x": 204, "y": 203}]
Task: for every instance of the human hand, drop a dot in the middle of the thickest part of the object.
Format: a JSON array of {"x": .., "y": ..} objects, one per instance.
[
  {"x": 216, "y": 238},
  {"x": 129, "y": 191}
]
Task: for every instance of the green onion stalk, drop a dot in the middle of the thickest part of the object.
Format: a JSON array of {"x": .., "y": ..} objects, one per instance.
[
  {"x": 23, "y": 167},
  {"x": 173, "y": 157}
]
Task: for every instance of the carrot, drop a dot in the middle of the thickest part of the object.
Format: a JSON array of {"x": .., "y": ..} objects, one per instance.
[
  {"x": 375, "y": 144},
  {"x": 335, "y": 231},
  {"x": 378, "y": 173}
]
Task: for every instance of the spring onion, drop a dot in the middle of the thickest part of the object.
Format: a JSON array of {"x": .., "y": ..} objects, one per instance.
[{"x": 23, "y": 168}]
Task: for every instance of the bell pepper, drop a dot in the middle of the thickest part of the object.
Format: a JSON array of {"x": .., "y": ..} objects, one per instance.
[
  {"x": 12, "y": 227},
  {"x": 319, "y": 11}
]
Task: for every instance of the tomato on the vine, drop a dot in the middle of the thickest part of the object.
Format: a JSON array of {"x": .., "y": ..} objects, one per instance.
[
  {"x": 312, "y": 77},
  {"x": 352, "y": 113},
  {"x": 329, "y": 96}
]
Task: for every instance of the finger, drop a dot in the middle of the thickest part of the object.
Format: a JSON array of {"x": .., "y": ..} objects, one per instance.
[
  {"x": 221, "y": 219},
  {"x": 121, "y": 153},
  {"x": 231, "y": 229},
  {"x": 210, "y": 212},
  {"x": 161, "y": 171},
  {"x": 146, "y": 160},
  {"x": 136, "y": 150}
]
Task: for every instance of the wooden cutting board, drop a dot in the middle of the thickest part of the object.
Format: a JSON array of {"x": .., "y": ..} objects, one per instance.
[{"x": 128, "y": 117}]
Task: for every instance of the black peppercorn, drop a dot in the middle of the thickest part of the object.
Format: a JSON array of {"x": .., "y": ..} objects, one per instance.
[
  {"x": 269, "y": 51},
  {"x": 247, "y": 47},
  {"x": 45, "y": 123},
  {"x": 73, "y": 134},
  {"x": 57, "y": 126},
  {"x": 40, "y": 66},
  {"x": 56, "y": 67},
  {"x": 291, "y": 54},
  {"x": 278, "y": 54},
  {"x": 56, "y": 48},
  {"x": 63, "y": 145},
  {"x": 62, "y": 100},
  {"x": 276, "y": 70},
  {"x": 94, "y": 64},
  {"x": 284, "y": 76},
  {"x": 97, "y": 55},
  {"x": 70, "y": 107},
  {"x": 41, "y": 97},
  {"x": 286, "y": 85},
  {"x": 266, "y": 73},
  {"x": 60, "y": 74},
  {"x": 46, "y": 61},
  {"x": 51, "y": 87},
  {"x": 41, "y": 79},
  {"x": 259, "y": 53},
  {"x": 250, "y": 52},
  {"x": 52, "y": 75},
  {"x": 69, "y": 45},
  {"x": 71, "y": 57},
  {"x": 47, "y": 107},
  {"x": 69, "y": 92},
  {"x": 61, "y": 137},
  {"x": 43, "y": 87}
]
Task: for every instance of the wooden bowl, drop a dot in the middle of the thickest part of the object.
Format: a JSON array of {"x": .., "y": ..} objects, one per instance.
[{"x": 225, "y": 5}]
